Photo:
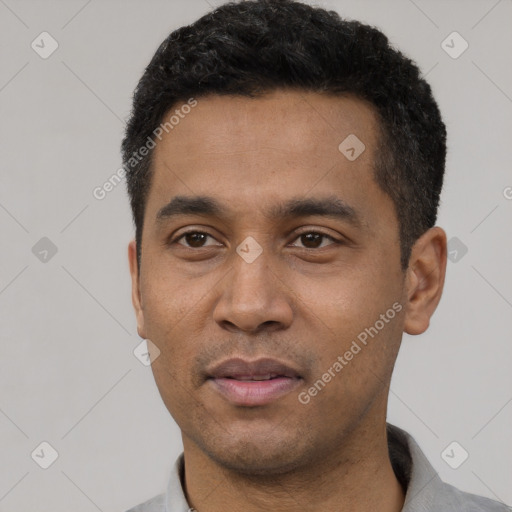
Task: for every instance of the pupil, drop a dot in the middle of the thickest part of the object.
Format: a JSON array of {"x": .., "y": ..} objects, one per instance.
[
  {"x": 195, "y": 239},
  {"x": 311, "y": 240}
]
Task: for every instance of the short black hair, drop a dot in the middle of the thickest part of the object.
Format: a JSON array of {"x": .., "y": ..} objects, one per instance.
[{"x": 253, "y": 47}]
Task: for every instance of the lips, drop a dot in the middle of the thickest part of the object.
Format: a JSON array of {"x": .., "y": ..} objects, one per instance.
[
  {"x": 241, "y": 369},
  {"x": 253, "y": 383}
]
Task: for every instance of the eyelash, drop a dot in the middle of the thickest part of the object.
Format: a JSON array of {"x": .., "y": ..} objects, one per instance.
[{"x": 195, "y": 231}]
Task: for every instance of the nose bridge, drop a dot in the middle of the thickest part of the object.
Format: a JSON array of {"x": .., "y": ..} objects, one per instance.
[
  {"x": 251, "y": 276},
  {"x": 250, "y": 289},
  {"x": 252, "y": 295}
]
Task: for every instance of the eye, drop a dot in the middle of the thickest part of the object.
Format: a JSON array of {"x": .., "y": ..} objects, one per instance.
[
  {"x": 308, "y": 240},
  {"x": 195, "y": 239},
  {"x": 315, "y": 240}
]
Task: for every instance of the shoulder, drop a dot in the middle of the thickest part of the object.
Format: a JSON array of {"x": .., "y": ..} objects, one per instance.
[
  {"x": 468, "y": 502},
  {"x": 156, "y": 504},
  {"x": 425, "y": 490}
]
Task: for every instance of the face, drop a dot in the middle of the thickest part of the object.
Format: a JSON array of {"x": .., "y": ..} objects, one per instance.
[{"x": 271, "y": 252}]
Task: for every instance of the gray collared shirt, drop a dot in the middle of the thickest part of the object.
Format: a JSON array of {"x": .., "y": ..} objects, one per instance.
[{"x": 426, "y": 492}]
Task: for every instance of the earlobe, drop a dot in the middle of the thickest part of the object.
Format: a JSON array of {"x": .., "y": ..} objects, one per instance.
[
  {"x": 425, "y": 279},
  {"x": 136, "y": 294}
]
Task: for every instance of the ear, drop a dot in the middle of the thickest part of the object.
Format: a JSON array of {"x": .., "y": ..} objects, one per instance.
[
  {"x": 425, "y": 279},
  {"x": 136, "y": 296}
]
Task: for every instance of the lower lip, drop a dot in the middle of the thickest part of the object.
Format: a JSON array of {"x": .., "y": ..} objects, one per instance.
[{"x": 254, "y": 392}]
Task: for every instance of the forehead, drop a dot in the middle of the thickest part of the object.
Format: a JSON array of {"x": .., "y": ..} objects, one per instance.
[
  {"x": 253, "y": 151},
  {"x": 283, "y": 120}
]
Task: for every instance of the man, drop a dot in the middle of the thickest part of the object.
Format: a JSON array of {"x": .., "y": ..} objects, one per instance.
[{"x": 284, "y": 168}]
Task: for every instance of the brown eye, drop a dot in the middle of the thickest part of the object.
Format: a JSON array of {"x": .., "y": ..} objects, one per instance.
[
  {"x": 314, "y": 240},
  {"x": 195, "y": 239}
]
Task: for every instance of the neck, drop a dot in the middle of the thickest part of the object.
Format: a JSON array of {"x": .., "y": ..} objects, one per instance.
[{"x": 356, "y": 477}]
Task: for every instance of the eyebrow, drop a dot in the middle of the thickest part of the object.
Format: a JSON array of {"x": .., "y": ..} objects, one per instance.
[{"x": 330, "y": 206}]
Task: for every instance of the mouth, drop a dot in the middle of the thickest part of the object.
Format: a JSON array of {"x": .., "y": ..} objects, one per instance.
[{"x": 253, "y": 383}]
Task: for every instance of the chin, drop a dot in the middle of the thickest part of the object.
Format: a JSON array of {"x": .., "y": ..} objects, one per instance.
[
  {"x": 258, "y": 454},
  {"x": 254, "y": 463}
]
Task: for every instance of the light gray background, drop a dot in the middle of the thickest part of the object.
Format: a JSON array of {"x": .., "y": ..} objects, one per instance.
[{"x": 68, "y": 375}]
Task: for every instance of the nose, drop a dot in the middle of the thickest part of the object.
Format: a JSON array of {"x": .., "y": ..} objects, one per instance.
[{"x": 253, "y": 298}]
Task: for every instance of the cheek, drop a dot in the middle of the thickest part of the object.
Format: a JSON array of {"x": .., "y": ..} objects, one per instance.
[
  {"x": 348, "y": 299},
  {"x": 167, "y": 299},
  {"x": 352, "y": 316},
  {"x": 172, "y": 388},
  {"x": 166, "y": 315}
]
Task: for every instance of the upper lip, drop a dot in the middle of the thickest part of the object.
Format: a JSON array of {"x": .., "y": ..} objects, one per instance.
[{"x": 238, "y": 367}]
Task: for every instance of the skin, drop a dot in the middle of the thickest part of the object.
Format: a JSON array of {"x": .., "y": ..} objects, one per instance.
[{"x": 302, "y": 301}]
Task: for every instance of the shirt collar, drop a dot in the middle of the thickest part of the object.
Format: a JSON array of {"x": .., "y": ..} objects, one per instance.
[
  {"x": 424, "y": 486},
  {"x": 175, "y": 497}
]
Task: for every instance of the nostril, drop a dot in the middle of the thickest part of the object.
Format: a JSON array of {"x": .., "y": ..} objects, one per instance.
[{"x": 267, "y": 326}]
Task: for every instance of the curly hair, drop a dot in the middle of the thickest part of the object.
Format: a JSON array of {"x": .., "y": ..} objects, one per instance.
[{"x": 253, "y": 47}]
